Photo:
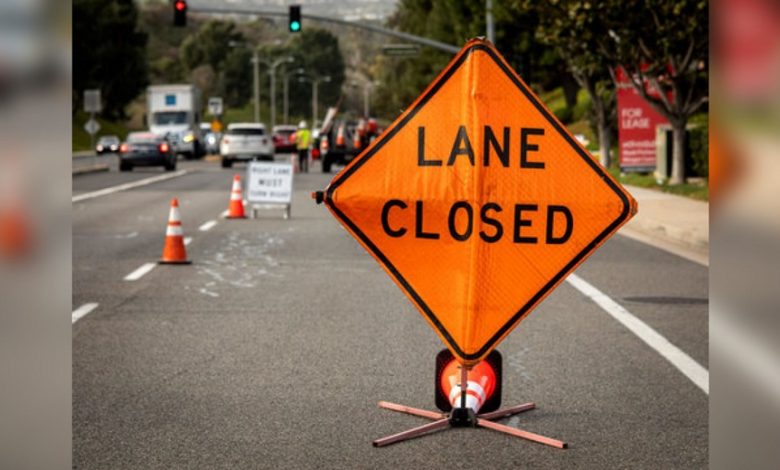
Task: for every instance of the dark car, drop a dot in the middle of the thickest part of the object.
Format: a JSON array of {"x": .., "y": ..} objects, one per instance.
[
  {"x": 107, "y": 144},
  {"x": 146, "y": 149},
  {"x": 337, "y": 144},
  {"x": 284, "y": 139}
]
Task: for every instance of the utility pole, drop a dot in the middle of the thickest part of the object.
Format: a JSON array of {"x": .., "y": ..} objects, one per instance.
[
  {"x": 491, "y": 30},
  {"x": 256, "y": 62}
]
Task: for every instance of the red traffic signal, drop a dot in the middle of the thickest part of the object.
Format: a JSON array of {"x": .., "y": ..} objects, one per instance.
[
  {"x": 180, "y": 13},
  {"x": 483, "y": 390}
]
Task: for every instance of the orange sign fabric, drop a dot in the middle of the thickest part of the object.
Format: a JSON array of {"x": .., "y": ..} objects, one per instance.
[{"x": 477, "y": 201}]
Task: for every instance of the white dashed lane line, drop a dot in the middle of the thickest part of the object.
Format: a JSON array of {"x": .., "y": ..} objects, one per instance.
[
  {"x": 207, "y": 226},
  {"x": 82, "y": 311},
  {"x": 140, "y": 272}
]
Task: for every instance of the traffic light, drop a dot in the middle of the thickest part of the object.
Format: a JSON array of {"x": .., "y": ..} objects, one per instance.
[
  {"x": 294, "y": 25},
  {"x": 179, "y": 13}
]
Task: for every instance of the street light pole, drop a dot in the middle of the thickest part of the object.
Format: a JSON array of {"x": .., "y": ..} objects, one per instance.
[
  {"x": 256, "y": 62},
  {"x": 287, "y": 92},
  {"x": 272, "y": 72}
]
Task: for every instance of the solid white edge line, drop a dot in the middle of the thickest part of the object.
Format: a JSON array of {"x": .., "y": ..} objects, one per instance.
[
  {"x": 207, "y": 226},
  {"x": 683, "y": 362},
  {"x": 123, "y": 187},
  {"x": 82, "y": 311},
  {"x": 140, "y": 272},
  {"x": 187, "y": 240}
]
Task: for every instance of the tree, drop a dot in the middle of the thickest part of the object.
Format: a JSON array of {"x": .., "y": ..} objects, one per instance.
[
  {"x": 317, "y": 52},
  {"x": 237, "y": 77},
  {"x": 210, "y": 45},
  {"x": 109, "y": 53},
  {"x": 455, "y": 22},
  {"x": 569, "y": 26},
  {"x": 663, "y": 44}
]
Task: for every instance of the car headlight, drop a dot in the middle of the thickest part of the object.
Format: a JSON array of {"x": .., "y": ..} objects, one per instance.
[{"x": 189, "y": 138}]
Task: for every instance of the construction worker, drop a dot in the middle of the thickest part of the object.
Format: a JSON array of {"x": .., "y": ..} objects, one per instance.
[{"x": 302, "y": 141}]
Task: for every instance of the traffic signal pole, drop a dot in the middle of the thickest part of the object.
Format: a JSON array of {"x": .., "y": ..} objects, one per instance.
[{"x": 285, "y": 14}]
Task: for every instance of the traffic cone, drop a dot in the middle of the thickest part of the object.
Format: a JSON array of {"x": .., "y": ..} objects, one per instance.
[
  {"x": 340, "y": 140},
  {"x": 481, "y": 384},
  {"x": 174, "y": 251},
  {"x": 15, "y": 234},
  {"x": 236, "y": 205}
]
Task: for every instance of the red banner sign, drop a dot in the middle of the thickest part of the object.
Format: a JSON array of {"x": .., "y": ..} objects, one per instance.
[{"x": 637, "y": 121}]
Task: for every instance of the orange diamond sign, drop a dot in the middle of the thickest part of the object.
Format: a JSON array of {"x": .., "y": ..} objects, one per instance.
[{"x": 478, "y": 202}]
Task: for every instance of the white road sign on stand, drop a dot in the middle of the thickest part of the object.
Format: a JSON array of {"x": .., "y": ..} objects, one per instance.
[
  {"x": 92, "y": 102},
  {"x": 269, "y": 184},
  {"x": 92, "y": 127},
  {"x": 215, "y": 106}
]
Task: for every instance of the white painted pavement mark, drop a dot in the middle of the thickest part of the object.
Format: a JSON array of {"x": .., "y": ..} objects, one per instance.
[
  {"x": 224, "y": 213},
  {"x": 82, "y": 311},
  {"x": 683, "y": 362},
  {"x": 207, "y": 226},
  {"x": 123, "y": 187},
  {"x": 187, "y": 240},
  {"x": 140, "y": 272}
]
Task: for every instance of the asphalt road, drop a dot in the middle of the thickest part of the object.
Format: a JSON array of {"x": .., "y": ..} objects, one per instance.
[{"x": 273, "y": 348}]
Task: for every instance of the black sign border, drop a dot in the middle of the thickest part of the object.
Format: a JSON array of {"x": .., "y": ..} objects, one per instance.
[{"x": 525, "y": 309}]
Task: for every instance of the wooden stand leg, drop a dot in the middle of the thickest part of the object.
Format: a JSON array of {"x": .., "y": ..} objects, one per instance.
[
  {"x": 412, "y": 433},
  {"x": 412, "y": 411},
  {"x": 520, "y": 433}
]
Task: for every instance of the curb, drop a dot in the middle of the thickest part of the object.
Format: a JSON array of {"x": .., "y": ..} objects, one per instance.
[
  {"x": 688, "y": 238},
  {"x": 90, "y": 169}
]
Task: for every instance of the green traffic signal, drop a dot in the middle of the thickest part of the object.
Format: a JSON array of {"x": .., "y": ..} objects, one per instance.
[{"x": 294, "y": 20}]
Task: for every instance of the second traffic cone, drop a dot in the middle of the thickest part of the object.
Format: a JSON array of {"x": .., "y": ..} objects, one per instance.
[
  {"x": 236, "y": 205},
  {"x": 481, "y": 384},
  {"x": 174, "y": 251}
]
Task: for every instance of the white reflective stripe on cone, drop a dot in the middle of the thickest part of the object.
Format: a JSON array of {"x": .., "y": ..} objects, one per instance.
[
  {"x": 235, "y": 195},
  {"x": 174, "y": 215},
  {"x": 174, "y": 231}
]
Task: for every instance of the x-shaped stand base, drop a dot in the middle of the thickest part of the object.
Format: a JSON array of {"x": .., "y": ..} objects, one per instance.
[{"x": 442, "y": 420}]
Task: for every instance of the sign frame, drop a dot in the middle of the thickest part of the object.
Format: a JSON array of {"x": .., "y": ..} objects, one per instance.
[
  {"x": 627, "y": 210},
  {"x": 285, "y": 179}
]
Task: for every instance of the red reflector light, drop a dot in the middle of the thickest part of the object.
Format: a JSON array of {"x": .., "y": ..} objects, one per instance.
[
  {"x": 181, "y": 5},
  {"x": 164, "y": 148}
]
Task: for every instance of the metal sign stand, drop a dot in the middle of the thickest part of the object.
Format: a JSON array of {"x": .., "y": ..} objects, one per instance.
[
  {"x": 256, "y": 207},
  {"x": 463, "y": 417}
]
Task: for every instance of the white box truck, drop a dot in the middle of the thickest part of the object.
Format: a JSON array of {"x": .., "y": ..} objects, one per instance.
[{"x": 174, "y": 111}]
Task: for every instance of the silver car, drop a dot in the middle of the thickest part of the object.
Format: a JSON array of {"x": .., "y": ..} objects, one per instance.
[{"x": 245, "y": 142}]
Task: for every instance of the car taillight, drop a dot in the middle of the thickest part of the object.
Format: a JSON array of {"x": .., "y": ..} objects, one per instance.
[
  {"x": 292, "y": 138},
  {"x": 124, "y": 148},
  {"x": 164, "y": 147}
]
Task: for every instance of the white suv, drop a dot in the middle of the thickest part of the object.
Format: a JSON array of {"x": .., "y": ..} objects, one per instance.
[{"x": 245, "y": 141}]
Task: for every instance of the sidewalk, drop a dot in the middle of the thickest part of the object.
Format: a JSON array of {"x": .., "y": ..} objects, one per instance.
[{"x": 675, "y": 223}]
